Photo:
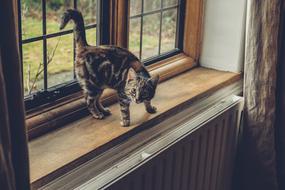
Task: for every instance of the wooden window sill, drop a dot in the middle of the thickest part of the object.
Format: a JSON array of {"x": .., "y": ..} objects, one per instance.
[
  {"x": 49, "y": 117},
  {"x": 57, "y": 152}
]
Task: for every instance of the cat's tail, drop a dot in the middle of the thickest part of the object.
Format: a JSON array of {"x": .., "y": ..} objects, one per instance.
[{"x": 79, "y": 29}]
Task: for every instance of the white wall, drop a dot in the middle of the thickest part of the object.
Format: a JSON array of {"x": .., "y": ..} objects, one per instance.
[{"x": 223, "y": 37}]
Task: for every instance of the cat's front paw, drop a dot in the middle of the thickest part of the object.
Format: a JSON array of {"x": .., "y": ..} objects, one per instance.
[
  {"x": 106, "y": 112},
  {"x": 151, "y": 109},
  {"x": 98, "y": 115},
  {"x": 125, "y": 123}
]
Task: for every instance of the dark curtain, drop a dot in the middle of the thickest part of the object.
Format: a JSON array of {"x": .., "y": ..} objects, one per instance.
[
  {"x": 261, "y": 161},
  {"x": 14, "y": 170},
  {"x": 280, "y": 111}
]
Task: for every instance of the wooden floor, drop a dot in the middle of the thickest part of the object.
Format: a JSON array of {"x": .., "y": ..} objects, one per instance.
[{"x": 61, "y": 147}]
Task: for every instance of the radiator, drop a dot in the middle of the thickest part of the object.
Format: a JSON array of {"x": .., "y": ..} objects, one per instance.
[
  {"x": 203, "y": 159},
  {"x": 197, "y": 154}
]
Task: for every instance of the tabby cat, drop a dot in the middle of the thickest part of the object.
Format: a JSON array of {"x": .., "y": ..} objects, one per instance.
[{"x": 101, "y": 67}]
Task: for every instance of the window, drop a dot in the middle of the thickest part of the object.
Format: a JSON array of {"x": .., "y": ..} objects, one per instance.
[
  {"x": 48, "y": 53},
  {"x": 155, "y": 29}
]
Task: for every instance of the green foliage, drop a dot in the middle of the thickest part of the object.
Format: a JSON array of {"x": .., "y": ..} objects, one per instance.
[
  {"x": 61, "y": 63},
  {"x": 51, "y": 4},
  {"x": 32, "y": 3},
  {"x": 56, "y": 4}
]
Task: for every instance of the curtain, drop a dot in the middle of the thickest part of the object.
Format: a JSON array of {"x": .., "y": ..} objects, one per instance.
[
  {"x": 280, "y": 111},
  {"x": 14, "y": 164},
  {"x": 259, "y": 157}
]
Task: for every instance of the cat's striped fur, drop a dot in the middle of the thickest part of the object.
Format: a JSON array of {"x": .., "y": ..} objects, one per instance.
[{"x": 103, "y": 67}]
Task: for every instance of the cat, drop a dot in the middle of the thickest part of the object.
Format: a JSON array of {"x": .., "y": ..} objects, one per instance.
[{"x": 107, "y": 66}]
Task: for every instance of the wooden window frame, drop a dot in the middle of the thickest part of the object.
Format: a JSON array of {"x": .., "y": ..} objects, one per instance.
[
  {"x": 193, "y": 25},
  {"x": 179, "y": 7},
  {"x": 70, "y": 108}
]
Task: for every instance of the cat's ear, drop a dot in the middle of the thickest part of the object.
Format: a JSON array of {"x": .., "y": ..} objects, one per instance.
[
  {"x": 154, "y": 80},
  {"x": 131, "y": 75}
]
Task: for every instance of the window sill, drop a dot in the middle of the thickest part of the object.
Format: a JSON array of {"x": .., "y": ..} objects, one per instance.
[
  {"x": 71, "y": 108},
  {"x": 61, "y": 150}
]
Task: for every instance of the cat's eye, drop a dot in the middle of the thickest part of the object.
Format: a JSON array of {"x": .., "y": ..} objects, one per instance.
[{"x": 133, "y": 91}]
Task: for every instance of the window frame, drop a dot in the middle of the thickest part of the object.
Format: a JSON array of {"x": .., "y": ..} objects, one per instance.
[
  {"x": 48, "y": 95},
  {"x": 45, "y": 118},
  {"x": 179, "y": 30},
  {"x": 191, "y": 34}
]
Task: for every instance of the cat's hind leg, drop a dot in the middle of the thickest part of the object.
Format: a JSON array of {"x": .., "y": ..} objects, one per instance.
[
  {"x": 93, "y": 109},
  {"x": 92, "y": 98},
  {"x": 149, "y": 108},
  {"x": 101, "y": 108}
]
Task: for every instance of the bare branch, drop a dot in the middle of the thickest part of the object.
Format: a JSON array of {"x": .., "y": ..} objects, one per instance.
[{"x": 41, "y": 66}]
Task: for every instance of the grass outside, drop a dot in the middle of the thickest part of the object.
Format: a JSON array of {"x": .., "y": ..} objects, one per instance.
[{"x": 59, "y": 55}]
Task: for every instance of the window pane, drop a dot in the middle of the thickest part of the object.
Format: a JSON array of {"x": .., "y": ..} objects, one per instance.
[
  {"x": 135, "y": 7},
  {"x": 150, "y": 5},
  {"x": 60, "y": 59},
  {"x": 168, "y": 32},
  {"x": 54, "y": 10},
  {"x": 88, "y": 9},
  {"x": 33, "y": 67},
  {"x": 31, "y": 18},
  {"x": 168, "y": 3},
  {"x": 91, "y": 36},
  {"x": 150, "y": 35},
  {"x": 134, "y": 36}
]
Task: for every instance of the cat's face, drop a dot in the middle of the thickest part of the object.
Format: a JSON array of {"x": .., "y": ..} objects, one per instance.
[{"x": 142, "y": 89}]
